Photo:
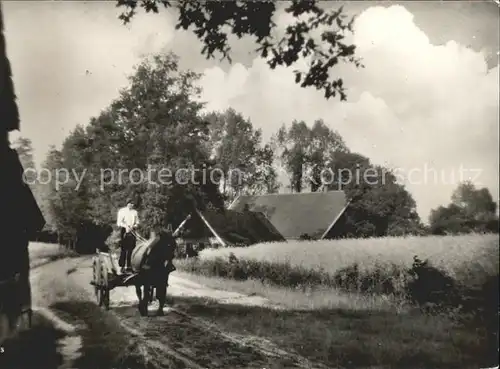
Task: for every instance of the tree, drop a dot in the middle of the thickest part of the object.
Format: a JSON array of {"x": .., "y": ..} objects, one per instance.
[
  {"x": 305, "y": 152},
  {"x": 324, "y": 144},
  {"x": 166, "y": 134},
  {"x": 293, "y": 145},
  {"x": 379, "y": 206},
  {"x": 24, "y": 149},
  {"x": 237, "y": 148},
  {"x": 104, "y": 156},
  {"x": 470, "y": 210},
  {"x": 265, "y": 177},
  {"x": 73, "y": 190},
  {"x": 138, "y": 146},
  {"x": 51, "y": 204},
  {"x": 46, "y": 187},
  {"x": 212, "y": 22},
  {"x": 448, "y": 219},
  {"x": 476, "y": 203}
]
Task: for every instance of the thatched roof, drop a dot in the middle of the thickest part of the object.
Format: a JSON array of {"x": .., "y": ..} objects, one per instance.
[
  {"x": 297, "y": 214},
  {"x": 231, "y": 227},
  {"x": 9, "y": 114}
]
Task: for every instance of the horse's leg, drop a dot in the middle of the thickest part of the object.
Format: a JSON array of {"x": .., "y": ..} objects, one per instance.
[
  {"x": 145, "y": 298},
  {"x": 142, "y": 295},
  {"x": 161, "y": 295},
  {"x": 138, "y": 292},
  {"x": 151, "y": 293}
]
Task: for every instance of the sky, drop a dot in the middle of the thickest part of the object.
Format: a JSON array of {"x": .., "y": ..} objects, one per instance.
[{"x": 427, "y": 100}]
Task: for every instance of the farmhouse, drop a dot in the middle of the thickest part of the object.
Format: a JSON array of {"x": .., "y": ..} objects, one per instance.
[
  {"x": 299, "y": 215},
  {"x": 227, "y": 228}
]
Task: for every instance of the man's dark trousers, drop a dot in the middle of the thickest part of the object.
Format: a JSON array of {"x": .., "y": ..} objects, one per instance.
[{"x": 127, "y": 245}]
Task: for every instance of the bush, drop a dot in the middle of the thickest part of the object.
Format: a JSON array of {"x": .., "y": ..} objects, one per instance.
[
  {"x": 430, "y": 286},
  {"x": 387, "y": 279},
  {"x": 279, "y": 274}
]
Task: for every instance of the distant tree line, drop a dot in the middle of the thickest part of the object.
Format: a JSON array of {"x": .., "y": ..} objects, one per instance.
[
  {"x": 471, "y": 210},
  {"x": 158, "y": 122}
]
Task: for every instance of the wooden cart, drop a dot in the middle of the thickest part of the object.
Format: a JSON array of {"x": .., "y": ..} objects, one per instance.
[{"x": 105, "y": 277}]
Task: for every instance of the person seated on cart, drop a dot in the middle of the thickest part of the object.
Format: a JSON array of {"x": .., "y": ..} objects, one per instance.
[{"x": 128, "y": 221}]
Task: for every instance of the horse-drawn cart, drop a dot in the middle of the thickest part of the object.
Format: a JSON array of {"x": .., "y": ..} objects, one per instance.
[
  {"x": 151, "y": 266},
  {"x": 105, "y": 277}
]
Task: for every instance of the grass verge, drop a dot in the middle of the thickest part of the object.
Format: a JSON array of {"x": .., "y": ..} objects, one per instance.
[
  {"x": 300, "y": 299},
  {"x": 352, "y": 339}
]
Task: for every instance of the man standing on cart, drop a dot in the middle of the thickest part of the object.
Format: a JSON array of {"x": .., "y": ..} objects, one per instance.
[{"x": 127, "y": 220}]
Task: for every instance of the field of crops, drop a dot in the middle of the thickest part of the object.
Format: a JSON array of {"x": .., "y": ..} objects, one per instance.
[
  {"x": 374, "y": 266},
  {"x": 455, "y": 255}
]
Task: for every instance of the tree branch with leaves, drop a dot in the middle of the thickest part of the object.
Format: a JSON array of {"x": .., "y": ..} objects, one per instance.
[{"x": 212, "y": 22}]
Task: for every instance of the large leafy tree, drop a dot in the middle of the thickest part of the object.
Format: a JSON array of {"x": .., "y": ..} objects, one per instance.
[
  {"x": 151, "y": 143},
  {"x": 237, "y": 149},
  {"x": 293, "y": 144},
  {"x": 379, "y": 205},
  {"x": 305, "y": 152},
  {"x": 264, "y": 179},
  {"x": 165, "y": 134},
  {"x": 213, "y": 22},
  {"x": 324, "y": 144}
]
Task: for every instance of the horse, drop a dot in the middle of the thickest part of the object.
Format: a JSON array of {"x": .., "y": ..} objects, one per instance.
[{"x": 152, "y": 263}]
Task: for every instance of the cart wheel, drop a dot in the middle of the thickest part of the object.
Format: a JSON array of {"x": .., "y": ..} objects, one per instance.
[
  {"x": 96, "y": 280},
  {"x": 103, "y": 288},
  {"x": 103, "y": 298},
  {"x": 106, "y": 298}
]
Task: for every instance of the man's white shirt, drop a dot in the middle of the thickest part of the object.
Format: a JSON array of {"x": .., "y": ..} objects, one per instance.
[{"x": 127, "y": 218}]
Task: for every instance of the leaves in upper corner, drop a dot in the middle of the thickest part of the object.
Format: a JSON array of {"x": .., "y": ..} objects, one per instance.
[{"x": 212, "y": 22}]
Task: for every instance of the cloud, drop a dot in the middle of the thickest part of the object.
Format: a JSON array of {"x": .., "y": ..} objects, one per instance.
[
  {"x": 69, "y": 61},
  {"x": 415, "y": 105}
]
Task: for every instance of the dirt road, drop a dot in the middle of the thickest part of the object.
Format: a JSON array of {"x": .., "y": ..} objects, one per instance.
[
  {"x": 121, "y": 338},
  {"x": 178, "y": 287}
]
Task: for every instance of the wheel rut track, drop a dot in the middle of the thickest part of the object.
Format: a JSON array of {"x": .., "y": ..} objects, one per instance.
[
  {"x": 162, "y": 346},
  {"x": 256, "y": 346}
]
